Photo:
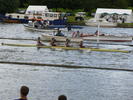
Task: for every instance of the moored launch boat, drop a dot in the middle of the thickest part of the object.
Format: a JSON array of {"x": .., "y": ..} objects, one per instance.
[{"x": 42, "y": 29}]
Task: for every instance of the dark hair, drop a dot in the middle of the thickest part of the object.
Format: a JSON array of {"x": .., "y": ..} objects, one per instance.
[
  {"x": 39, "y": 38},
  {"x": 53, "y": 39},
  {"x": 24, "y": 90},
  {"x": 62, "y": 97},
  {"x": 67, "y": 40}
]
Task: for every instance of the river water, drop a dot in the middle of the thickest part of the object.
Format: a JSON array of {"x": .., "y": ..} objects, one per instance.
[{"x": 47, "y": 83}]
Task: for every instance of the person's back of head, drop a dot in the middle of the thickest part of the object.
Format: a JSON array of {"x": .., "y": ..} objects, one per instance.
[
  {"x": 39, "y": 38},
  {"x": 67, "y": 40},
  {"x": 77, "y": 31},
  {"x": 24, "y": 91},
  {"x": 62, "y": 97}
]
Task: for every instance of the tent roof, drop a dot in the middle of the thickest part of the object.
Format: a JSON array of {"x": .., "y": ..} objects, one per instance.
[
  {"x": 111, "y": 11},
  {"x": 36, "y": 8}
]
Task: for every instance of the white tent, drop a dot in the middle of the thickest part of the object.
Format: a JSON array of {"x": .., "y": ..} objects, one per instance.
[
  {"x": 124, "y": 13},
  {"x": 35, "y": 9}
]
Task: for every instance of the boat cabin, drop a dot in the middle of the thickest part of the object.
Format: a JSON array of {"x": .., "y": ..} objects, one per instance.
[
  {"x": 37, "y": 12},
  {"x": 114, "y": 15}
]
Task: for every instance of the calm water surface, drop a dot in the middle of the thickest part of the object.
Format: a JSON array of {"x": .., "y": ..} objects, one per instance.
[{"x": 48, "y": 83}]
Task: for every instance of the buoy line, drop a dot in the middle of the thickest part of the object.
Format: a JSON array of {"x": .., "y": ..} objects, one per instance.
[{"x": 65, "y": 66}]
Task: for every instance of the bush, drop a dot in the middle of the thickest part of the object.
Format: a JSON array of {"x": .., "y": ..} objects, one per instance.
[
  {"x": 71, "y": 20},
  {"x": 8, "y": 6}
]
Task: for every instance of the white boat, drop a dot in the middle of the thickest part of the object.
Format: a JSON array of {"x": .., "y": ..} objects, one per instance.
[
  {"x": 28, "y": 27},
  {"x": 110, "y": 38},
  {"x": 92, "y": 22}
]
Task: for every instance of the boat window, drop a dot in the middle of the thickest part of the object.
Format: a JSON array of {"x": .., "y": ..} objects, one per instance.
[
  {"x": 10, "y": 16},
  {"x": 51, "y": 15},
  {"x": 26, "y": 17},
  {"x": 17, "y": 16},
  {"x": 55, "y": 15},
  {"x": 46, "y": 15},
  {"x": 39, "y": 17}
]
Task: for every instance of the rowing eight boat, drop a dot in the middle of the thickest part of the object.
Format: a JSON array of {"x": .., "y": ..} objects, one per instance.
[{"x": 67, "y": 48}]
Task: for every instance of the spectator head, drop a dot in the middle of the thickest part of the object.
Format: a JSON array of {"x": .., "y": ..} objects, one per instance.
[
  {"x": 62, "y": 97},
  {"x": 38, "y": 38},
  {"x": 24, "y": 91}
]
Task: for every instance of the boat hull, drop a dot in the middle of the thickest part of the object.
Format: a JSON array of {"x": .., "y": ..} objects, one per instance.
[
  {"x": 42, "y": 30},
  {"x": 67, "y": 48},
  {"x": 108, "y": 38}
]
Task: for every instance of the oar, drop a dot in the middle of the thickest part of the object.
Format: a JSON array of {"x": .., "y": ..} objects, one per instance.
[{"x": 65, "y": 66}]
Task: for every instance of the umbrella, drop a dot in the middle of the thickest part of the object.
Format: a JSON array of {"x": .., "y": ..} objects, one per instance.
[
  {"x": 105, "y": 13},
  {"x": 124, "y": 14},
  {"x": 115, "y": 14}
]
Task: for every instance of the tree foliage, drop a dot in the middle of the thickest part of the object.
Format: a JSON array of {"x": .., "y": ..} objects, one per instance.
[
  {"x": 87, "y": 5},
  {"x": 23, "y": 3},
  {"x": 84, "y": 4},
  {"x": 8, "y": 6}
]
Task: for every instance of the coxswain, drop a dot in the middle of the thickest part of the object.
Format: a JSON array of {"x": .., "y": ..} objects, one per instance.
[
  {"x": 69, "y": 27},
  {"x": 67, "y": 43},
  {"x": 39, "y": 43},
  {"x": 81, "y": 44},
  {"x": 96, "y": 33},
  {"x": 52, "y": 43}
]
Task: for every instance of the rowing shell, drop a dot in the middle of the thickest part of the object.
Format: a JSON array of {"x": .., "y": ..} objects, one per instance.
[
  {"x": 110, "y": 38},
  {"x": 67, "y": 48},
  {"x": 49, "y": 30}
]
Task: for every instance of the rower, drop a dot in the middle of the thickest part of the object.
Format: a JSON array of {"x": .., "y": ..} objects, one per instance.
[
  {"x": 67, "y": 43},
  {"x": 96, "y": 33},
  {"x": 52, "y": 43},
  {"x": 39, "y": 43},
  {"x": 59, "y": 33},
  {"x": 81, "y": 44}
]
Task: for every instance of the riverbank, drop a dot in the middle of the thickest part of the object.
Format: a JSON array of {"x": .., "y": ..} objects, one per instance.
[
  {"x": 71, "y": 20},
  {"x": 125, "y": 25}
]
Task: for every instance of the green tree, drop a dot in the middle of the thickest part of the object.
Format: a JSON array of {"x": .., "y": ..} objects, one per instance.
[
  {"x": 36, "y": 2},
  {"x": 121, "y": 3},
  {"x": 23, "y": 3},
  {"x": 8, "y": 6},
  {"x": 87, "y": 5},
  {"x": 131, "y": 3}
]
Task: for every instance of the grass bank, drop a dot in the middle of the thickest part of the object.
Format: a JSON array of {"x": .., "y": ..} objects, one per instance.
[
  {"x": 71, "y": 20},
  {"x": 125, "y": 25}
]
